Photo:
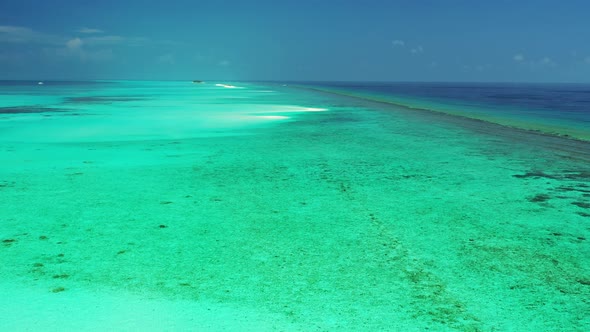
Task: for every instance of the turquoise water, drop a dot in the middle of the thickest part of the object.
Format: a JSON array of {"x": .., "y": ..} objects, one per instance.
[
  {"x": 119, "y": 111},
  {"x": 172, "y": 205}
]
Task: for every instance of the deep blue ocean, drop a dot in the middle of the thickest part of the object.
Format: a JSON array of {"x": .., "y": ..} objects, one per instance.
[{"x": 560, "y": 107}]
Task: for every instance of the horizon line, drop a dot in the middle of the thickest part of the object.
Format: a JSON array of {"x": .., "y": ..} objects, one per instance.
[{"x": 286, "y": 81}]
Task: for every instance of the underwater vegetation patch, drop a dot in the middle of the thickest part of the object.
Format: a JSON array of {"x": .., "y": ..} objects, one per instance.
[
  {"x": 102, "y": 99},
  {"x": 566, "y": 175},
  {"x": 540, "y": 198},
  {"x": 534, "y": 175},
  {"x": 575, "y": 192},
  {"x": 6, "y": 184},
  {"x": 8, "y": 241},
  {"x": 578, "y": 188},
  {"x": 577, "y": 175},
  {"x": 58, "y": 289},
  {"x": 583, "y": 205},
  {"x": 29, "y": 109}
]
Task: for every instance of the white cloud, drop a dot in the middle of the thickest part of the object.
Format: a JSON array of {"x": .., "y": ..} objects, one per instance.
[
  {"x": 224, "y": 63},
  {"x": 78, "y": 52},
  {"x": 518, "y": 57},
  {"x": 417, "y": 50},
  {"x": 78, "y": 48},
  {"x": 90, "y": 45},
  {"x": 90, "y": 30},
  {"x": 74, "y": 44},
  {"x": 13, "y": 29},
  {"x": 545, "y": 61},
  {"x": 111, "y": 40},
  {"x": 104, "y": 40},
  {"x": 16, "y": 34},
  {"x": 398, "y": 43},
  {"x": 532, "y": 64},
  {"x": 13, "y": 34}
]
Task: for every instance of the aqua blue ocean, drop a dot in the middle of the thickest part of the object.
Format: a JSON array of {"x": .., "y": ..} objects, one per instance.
[
  {"x": 249, "y": 206},
  {"x": 562, "y": 107}
]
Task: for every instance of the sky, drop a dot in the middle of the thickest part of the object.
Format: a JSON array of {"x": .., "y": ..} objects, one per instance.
[{"x": 309, "y": 40}]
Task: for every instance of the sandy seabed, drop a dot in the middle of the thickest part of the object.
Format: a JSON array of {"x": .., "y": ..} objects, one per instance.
[{"x": 362, "y": 217}]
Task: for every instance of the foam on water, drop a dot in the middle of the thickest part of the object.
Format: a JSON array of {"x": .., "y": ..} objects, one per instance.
[
  {"x": 137, "y": 111},
  {"x": 228, "y": 86}
]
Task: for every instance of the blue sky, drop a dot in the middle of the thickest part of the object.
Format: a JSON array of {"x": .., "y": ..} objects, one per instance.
[{"x": 453, "y": 40}]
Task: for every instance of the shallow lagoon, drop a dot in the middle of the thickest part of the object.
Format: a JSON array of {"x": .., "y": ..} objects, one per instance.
[{"x": 165, "y": 204}]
